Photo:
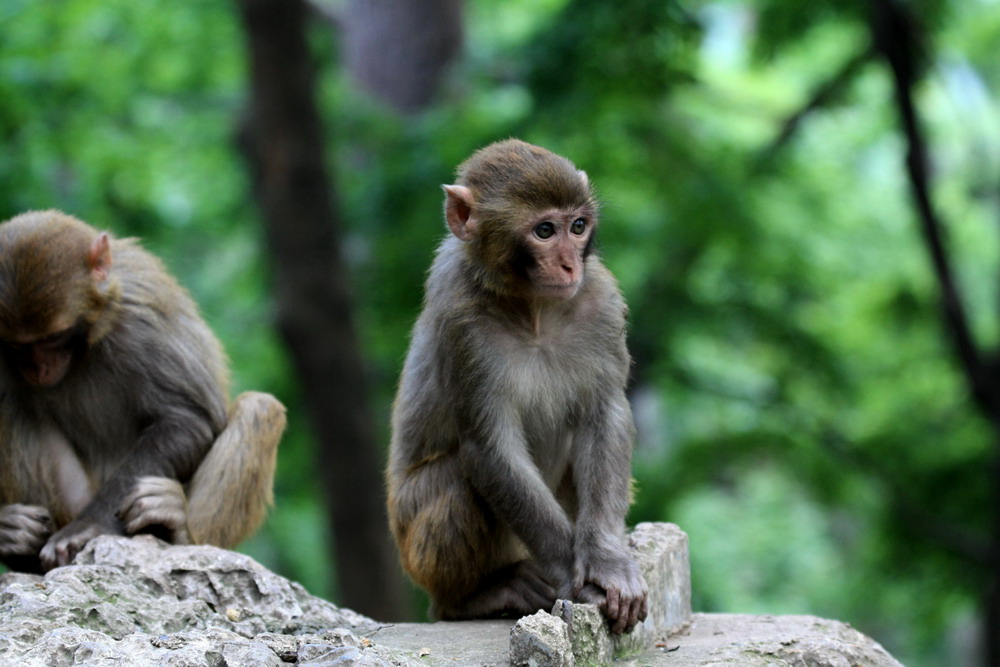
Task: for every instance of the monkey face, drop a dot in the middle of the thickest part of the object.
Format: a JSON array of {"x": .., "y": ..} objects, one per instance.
[
  {"x": 44, "y": 362},
  {"x": 556, "y": 245},
  {"x": 528, "y": 218}
]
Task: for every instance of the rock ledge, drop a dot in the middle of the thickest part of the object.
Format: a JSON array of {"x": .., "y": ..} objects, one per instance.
[{"x": 137, "y": 602}]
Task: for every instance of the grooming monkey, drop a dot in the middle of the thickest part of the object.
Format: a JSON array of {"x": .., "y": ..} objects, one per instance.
[
  {"x": 509, "y": 468},
  {"x": 114, "y": 415}
]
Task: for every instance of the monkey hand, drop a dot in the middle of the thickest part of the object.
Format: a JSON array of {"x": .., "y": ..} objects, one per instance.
[
  {"x": 613, "y": 582},
  {"x": 158, "y": 506},
  {"x": 23, "y": 532},
  {"x": 67, "y": 542}
]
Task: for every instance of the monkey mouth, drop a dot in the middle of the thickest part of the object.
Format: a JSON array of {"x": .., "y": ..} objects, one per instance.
[{"x": 558, "y": 290}]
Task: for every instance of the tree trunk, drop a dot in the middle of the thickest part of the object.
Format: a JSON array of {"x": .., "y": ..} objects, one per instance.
[
  {"x": 283, "y": 143},
  {"x": 896, "y": 38}
]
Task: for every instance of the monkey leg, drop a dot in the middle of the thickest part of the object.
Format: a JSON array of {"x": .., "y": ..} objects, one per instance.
[
  {"x": 158, "y": 506},
  {"x": 231, "y": 491},
  {"x": 515, "y": 590},
  {"x": 453, "y": 546}
]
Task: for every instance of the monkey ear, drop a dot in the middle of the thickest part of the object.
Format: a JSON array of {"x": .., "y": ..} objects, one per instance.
[
  {"x": 99, "y": 257},
  {"x": 583, "y": 178},
  {"x": 458, "y": 204}
]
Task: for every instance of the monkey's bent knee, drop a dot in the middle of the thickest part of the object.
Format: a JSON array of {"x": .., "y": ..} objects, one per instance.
[
  {"x": 256, "y": 421},
  {"x": 445, "y": 546},
  {"x": 260, "y": 407}
]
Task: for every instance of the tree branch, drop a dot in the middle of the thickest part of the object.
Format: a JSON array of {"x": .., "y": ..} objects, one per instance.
[
  {"x": 824, "y": 95},
  {"x": 912, "y": 514},
  {"x": 893, "y": 35}
]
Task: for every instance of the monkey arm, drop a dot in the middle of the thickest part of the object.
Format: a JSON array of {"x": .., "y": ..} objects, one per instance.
[
  {"x": 603, "y": 475},
  {"x": 603, "y": 478},
  {"x": 171, "y": 446},
  {"x": 498, "y": 466}
]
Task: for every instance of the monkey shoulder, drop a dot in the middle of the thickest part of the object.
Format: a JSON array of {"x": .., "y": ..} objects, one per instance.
[
  {"x": 602, "y": 284},
  {"x": 151, "y": 295},
  {"x": 146, "y": 284},
  {"x": 160, "y": 341}
]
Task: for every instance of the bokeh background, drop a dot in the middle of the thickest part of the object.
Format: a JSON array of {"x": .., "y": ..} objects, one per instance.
[{"x": 801, "y": 203}]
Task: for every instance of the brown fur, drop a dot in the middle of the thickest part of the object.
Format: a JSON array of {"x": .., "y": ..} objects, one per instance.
[
  {"x": 135, "y": 435},
  {"x": 508, "y": 476}
]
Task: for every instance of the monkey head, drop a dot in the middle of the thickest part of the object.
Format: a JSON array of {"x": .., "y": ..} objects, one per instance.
[
  {"x": 528, "y": 218},
  {"x": 55, "y": 293}
]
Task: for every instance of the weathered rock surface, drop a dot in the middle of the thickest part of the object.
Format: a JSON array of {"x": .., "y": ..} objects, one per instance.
[
  {"x": 141, "y": 602},
  {"x": 670, "y": 635},
  {"x": 132, "y": 602},
  {"x": 661, "y": 550},
  {"x": 588, "y": 632},
  {"x": 541, "y": 639},
  {"x": 710, "y": 640},
  {"x": 799, "y": 641}
]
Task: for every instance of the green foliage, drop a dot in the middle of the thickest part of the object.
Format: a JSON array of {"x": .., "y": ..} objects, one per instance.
[
  {"x": 801, "y": 414},
  {"x": 125, "y": 114}
]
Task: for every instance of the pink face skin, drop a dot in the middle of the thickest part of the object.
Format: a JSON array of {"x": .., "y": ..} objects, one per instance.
[{"x": 557, "y": 241}]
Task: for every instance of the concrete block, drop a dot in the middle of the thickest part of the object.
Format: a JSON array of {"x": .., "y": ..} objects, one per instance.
[{"x": 661, "y": 549}]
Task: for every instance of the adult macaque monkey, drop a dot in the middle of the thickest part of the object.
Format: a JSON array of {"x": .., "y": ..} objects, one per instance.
[
  {"x": 509, "y": 470},
  {"x": 113, "y": 402}
]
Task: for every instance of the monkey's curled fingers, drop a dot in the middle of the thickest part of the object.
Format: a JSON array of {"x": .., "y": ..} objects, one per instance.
[
  {"x": 157, "y": 505},
  {"x": 622, "y": 613},
  {"x": 23, "y": 530},
  {"x": 618, "y": 588},
  {"x": 628, "y": 610},
  {"x": 67, "y": 542}
]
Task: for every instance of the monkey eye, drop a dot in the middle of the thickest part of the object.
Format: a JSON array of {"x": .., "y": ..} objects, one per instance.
[
  {"x": 545, "y": 230},
  {"x": 58, "y": 339},
  {"x": 579, "y": 226}
]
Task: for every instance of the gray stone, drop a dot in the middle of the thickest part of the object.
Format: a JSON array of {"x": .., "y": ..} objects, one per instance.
[
  {"x": 206, "y": 585},
  {"x": 588, "y": 632},
  {"x": 709, "y": 640},
  {"x": 485, "y": 643},
  {"x": 242, "y": 652},
  {"x": 671, "y": 635},
  {"x": 140, "y": 601},
  {"x": 661, "y": 549},
  {"x": 137, "y": 602},
  {"x": 793, "y": 641},
  {"x": 541, "y": 640}
]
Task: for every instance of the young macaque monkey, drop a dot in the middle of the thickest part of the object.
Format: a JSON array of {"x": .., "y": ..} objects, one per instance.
[
  {"x": 509, "y": 469},
  {"x": 113, "y": 402}
]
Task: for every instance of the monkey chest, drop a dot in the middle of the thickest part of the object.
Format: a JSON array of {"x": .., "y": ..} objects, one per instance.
[
  {"x": 99, "y": 427},
  {"x": 542, "y": 387},
  {"x": 522, "y": 371}
]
